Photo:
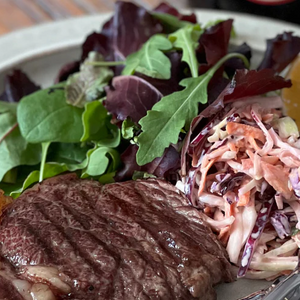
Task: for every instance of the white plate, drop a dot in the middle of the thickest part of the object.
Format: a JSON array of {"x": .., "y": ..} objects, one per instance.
[{"x": 42, "y": 50}]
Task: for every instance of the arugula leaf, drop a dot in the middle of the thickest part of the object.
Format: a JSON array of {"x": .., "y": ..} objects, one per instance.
[
  {"x": 150, "y": 60},
  {"x": 88, "y": 84},
  {"x": 14, "y": 149},
  {"x": 46, "y": 117},
  {"x": 186, "y": 39},
  {"x": 128, "y": 128},
  {"x": 99, "y": 161},
  {"x": 50, "y": 170},
  {"x": 163, "y": 123}
]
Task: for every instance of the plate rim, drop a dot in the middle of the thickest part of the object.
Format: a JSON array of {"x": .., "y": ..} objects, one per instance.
[{"x": 31, "y": 42}]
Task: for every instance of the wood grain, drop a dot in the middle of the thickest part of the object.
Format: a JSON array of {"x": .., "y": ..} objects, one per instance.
[{"x": 16, "y": 14}]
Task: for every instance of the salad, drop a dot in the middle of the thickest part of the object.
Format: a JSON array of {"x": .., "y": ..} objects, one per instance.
[{"x": 157, "y": 94}]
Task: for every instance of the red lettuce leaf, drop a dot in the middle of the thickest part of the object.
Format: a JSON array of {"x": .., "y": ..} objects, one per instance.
[
  {"x": 97, "y": 42},
  {"x": 161, "y": 167},
  {"x": 213, "y": 44},
  {"x": 252, "y": 83},
  {"x": 171, "y": 85},
  {"x": 168, "y": 9},
  {"x": 234, "y": 64},
  {"x": 130, "y": 96},
  {"x": 129, "y": 28},
  {"x": 67, "y": 70},
  {"x": 17, "y": 85},
  {"x": 281, "y": 51},
  {"x": 215, "y": 87}
]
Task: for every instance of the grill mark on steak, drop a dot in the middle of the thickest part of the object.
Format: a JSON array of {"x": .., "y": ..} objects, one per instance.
[
  {"x": 162, "y": 237},
  {"x": 151, "y": 235},
  {"x": 140, "y": 253},
  {"x": 73, "y": 237},
  {"x": 126, "y": 240},
  {"x": 119, "y": 202}
]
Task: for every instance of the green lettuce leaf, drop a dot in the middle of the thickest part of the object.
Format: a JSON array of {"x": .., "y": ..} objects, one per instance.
[
  {"x": 186, "y": 39},
  {"x": 150, "y": 60},
  {"x": 45, "y": 116}
]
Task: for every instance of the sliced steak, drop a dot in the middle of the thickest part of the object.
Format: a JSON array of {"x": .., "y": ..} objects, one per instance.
[{"x": 75, "y": 239}]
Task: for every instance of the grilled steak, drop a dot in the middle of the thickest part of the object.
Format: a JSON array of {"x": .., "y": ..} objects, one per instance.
[{"x": 75, "y": 239}]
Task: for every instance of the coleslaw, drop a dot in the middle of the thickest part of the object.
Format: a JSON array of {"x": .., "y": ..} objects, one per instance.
[{"x": 244, "y": 175}]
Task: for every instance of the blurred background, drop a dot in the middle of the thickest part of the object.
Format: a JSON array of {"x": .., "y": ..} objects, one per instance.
[{"x": 16, "y": 14}]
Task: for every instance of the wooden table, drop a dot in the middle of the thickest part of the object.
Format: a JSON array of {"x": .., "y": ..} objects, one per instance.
[{"x": 16, "y": 14}]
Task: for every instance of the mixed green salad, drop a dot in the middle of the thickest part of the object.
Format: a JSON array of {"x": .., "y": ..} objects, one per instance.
[{"x": 122, "y": 110}]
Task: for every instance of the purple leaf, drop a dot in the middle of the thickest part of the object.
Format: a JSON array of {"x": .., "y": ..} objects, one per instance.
[
  {"x": 97, "y": 42},
  {"x": 213, "y": 44},
  {"x": 129, "y": 28},
  {"x": 167, "y": 87},
  {"x": 17, "y": 85},
  {"x": 130, "y": 96},
  {"x": 215, "y": 87},
  {"x": 67, "y": 70},
  {"x": 160, "y": 167},
  {"x": 168, "y": 9},
  {"x": 234, "y": 64},
  {"x": 251, "y": 83},
  {"x": 281, "y": 51}
]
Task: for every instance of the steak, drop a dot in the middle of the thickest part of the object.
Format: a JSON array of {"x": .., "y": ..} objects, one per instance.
[{"x": 68, "y": 238}]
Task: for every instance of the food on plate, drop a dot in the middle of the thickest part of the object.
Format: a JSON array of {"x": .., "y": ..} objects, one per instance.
[
  {"x": 76, "y": 239},
  {"x": 154, "y": 95},
  {"x": 245, "y": 176}
]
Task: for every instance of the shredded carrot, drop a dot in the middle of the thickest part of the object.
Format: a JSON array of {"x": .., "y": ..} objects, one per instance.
[
  {"x": 238, "y": 129},
  {"x": 244, "y": 199},
  {"x": 218, "y": 152},
  {"x": 232, "y": 147},
  {"x": 224, "y": 235},
  {"x": 247, "y": 164},
  {"x": 229, "y": 209},
  {"x": 204, "y": 174},
  {"x": 207, "y": 210},
  {"x": 253, "y": 143},
  {"x": 277, "y": 178},
  {"x": 270, "y": 159}
]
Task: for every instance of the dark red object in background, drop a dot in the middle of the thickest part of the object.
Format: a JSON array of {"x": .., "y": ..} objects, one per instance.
[{"x": 287, "y": 10}]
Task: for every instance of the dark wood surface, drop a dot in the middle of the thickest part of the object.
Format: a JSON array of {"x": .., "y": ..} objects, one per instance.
[{"x": 16, "y": 14}]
